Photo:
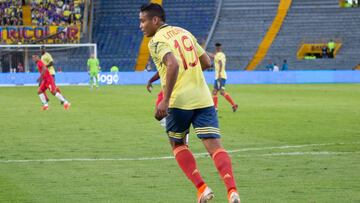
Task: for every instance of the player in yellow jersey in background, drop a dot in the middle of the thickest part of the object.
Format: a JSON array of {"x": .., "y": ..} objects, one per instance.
[
  {"x": 220, "y": 77},
  {"x": 48, "y": 60},
  {"x": 187, "y": 100}
]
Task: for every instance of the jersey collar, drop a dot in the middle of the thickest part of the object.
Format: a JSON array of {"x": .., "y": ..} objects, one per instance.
[{"x": 161, "y": 27}]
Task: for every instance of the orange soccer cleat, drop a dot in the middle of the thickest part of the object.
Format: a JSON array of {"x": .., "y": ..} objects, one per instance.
[
  {"x": 45, "y": 107},
  {"x": 233, "y": 197},
  {"x": 205, "y": 194},
  {"x": 67, "y": 105},
  {"x": 235, "y": 107}
]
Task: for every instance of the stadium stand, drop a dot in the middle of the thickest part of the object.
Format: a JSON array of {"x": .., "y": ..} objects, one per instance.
[
  {"x": 119, "y": 37},
  {"x": 116, "y": 32},
  {"x": 57, "y": 12},
  {"x": 317, "y": 22},
  {"x": 241, "y": 27},
  {"x": 307, "y": 21},
  {"x": 11, "y": 13},
  {"x": 184, "y": 12}
]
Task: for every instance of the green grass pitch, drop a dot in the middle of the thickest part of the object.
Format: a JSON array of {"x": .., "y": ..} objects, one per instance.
[{"x": 92, "y": 152}]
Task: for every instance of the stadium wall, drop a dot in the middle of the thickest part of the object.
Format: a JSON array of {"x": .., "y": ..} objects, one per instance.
[{"x": 234, "y": 77}]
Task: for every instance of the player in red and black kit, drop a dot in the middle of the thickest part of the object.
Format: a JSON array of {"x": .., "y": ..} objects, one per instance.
[{"x": 46, "y": 81}]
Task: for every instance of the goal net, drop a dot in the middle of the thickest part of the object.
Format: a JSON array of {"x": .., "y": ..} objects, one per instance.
[{"x": 67, "y": 57}]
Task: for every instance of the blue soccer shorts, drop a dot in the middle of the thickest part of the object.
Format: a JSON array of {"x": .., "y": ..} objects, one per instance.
[
  {"x": 219, "y": 84},
  {"x": 204, "y": 121}
]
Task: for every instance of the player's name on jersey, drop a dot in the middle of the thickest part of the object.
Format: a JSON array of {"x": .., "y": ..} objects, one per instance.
[{"x": 172, "y": 33}]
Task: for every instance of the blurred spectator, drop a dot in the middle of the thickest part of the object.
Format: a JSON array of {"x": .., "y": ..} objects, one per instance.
[
  {"x": 10, "y": 12},
  {"x": 276, "y": 68},
  {"x": 57, "y": 12},
  {"x": 20, "y": 67},
  {"x": 285, "y": 66},
  {"x": 324, "y": 51},
  {"x": 355, "y": 3},
  {"x": 331, "y": 48},
  {"x": 270, "y": 66},
  {"x": 114, "y": 69}
]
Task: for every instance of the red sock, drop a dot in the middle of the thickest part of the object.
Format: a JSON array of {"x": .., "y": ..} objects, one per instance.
[
  {"x": 187, "y": 163},
  {"x": 222, "y": 162},
  {"x": 229, "y": 99},
  {"x": 215, "y": 98}
]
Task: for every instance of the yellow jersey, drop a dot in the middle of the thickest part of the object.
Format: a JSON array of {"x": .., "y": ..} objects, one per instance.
[
  {"x": 190, "y": 90},
  {"x": 47, "y": 58},
  {"x": 220, "y": 56}
]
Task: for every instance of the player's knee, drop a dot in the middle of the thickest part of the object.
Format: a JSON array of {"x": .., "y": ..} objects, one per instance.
[
  {"x": 177, "y": 143},
  {"x": 214, "y": 92},
  {"x": 212, "y": 145},
  {"x": 222, "y": 92}
]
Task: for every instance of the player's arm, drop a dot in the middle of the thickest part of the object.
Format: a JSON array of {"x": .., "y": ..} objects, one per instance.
[
  {"x": 211, "y": 55},
  {"x": 154, "y": 78},
  {"x": 88, "y": 66},
  {"x": 204, "y": 57},
  {"x": 98, "y": 64},
  {"x": 171, "y": 76},
  {"x": 220, "y": 68},
  {"x": 205, "y": 61},
  {"x": 50, "y": 64}
]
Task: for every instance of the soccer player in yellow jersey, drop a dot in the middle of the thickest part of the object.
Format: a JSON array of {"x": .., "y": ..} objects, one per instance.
[
  {"x": 187, "y": 100},
  {"x": 48, "y": 60},
  {"x": 220, "y": 77}
]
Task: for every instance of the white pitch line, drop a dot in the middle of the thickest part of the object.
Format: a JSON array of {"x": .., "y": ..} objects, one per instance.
[
  {"x": 320, "y": 153},
  {"x": 203, "y": 154}
]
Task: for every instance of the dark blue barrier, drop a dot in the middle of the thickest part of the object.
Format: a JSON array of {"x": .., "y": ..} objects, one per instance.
[{"x": 234, "y": 77}]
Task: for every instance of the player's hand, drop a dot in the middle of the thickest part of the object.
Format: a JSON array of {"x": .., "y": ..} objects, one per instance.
[
  {"x": 161, "y": 110},
  {"x": 149, "y": 87}
]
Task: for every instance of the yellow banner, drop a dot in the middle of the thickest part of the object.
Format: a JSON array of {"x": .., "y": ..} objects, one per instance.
[
  {"x": 35, "y": 34},
  {"x": 315, "y": 49}
]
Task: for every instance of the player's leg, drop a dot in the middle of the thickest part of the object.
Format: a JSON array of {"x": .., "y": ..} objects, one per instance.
[
  {"x": 206, "y": 126},
  {"x": 177, "y": 126},
  {"x": 91, "y": 80},
  {"x": 41, "y": 91},
  {"x": 96, "y": 76},
  {"x": 54, "y": 90},
  {"x": 214, "y": 93},
  {"x": 222, "y": 162},
  {"x": 226, "y": 95},
  {"x": 46, "y": 97}
]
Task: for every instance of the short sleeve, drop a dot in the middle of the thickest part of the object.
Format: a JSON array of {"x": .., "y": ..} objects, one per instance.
[
  {"x": 199, "y": 50},
  {"x": 223, "y": 57},
  {"x": 162, "y": 49}
]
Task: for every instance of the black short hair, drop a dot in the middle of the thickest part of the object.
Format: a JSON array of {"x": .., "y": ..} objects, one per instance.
[
  {"x": 218, "y": 44},
  {"x": 154, "y": 10}
]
